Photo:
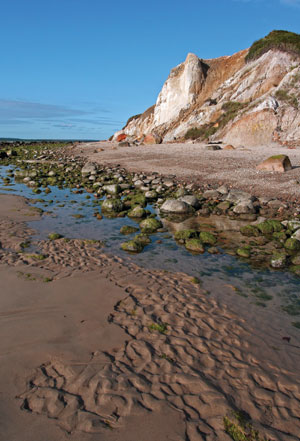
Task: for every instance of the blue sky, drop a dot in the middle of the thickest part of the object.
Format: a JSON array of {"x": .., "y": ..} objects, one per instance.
[{"x": 79, "y": 68}]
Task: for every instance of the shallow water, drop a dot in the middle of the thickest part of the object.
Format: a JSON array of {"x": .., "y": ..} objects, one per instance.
[{"x": 266, "y": 288}]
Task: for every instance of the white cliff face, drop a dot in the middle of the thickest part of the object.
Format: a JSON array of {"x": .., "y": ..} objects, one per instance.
[
  {"x": 180, "y": 90},
  {"x": 195, "y": 93}
]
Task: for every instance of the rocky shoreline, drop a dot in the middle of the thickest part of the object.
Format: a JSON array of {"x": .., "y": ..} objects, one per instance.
[
  {"x": 271, "y": 238},
  {"x": 177, "y": 336}
]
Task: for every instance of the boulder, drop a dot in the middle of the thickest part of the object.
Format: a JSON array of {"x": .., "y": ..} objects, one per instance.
[
  {"x": 132, "y": 246},
  {"x": 11, "y": 153},
  {"x": 137, "y": 212},
  {"x": 296, "y": 260},
  {"x": 278, "y": 260},
  {"x": 243, "y": 252},
  {"x": 207, "y": 238},
  {"x": 296, "y": 235},
  {"x": 121, "y": 137},
  {"x": 152, "y": 138},
  {"x": 128, "y": 229},
  {"x": 224, "y": 206},
  {"x": 277, "y": 163},
  {"x": 250, "y": 231},
  {"x": 211, "y": 194},
  {"x": 180, "y": 192},
  {"x": 150, "y": 225},
  {"x": 124, "y": 144},
  {"x": 194, "y": 245},
  {"x": 111, "y": 189},
  {"x": 151, "y": 194},
  {"x": 89, "y": 169},
  {"x": 223, "y": 189},
  {"x": 238, "y": 196},
  {"x": 228, "y": 147},
  {"x": 143, "y": 239},
  {"x": 185, "y": 234},
  {"x": 191, "y": 200},
  {"x": 244, "y": 207},
  {"x": 114, "y": 205},
  {"x": 292, "y": 225},
  {"x": 175, "y": 206},
  {"x": 213, "y": 147},
  {"x": 292, "y": 244}
]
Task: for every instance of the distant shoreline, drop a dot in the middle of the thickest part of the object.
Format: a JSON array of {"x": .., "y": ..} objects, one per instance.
[{"x": 45, "y": 140}]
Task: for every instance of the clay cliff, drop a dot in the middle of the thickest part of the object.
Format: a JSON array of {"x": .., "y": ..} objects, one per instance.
[{"x": 249, "y": 98}]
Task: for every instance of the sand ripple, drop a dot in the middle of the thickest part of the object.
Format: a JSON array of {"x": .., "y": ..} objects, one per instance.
[{"x": 183, "y": 348}]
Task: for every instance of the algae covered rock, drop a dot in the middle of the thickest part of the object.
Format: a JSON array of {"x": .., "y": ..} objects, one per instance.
[
  {"x": 54, "y": 236},
  {"x": 292, "y": 244},
  {"x": 112, "y": 205},
  {"x": 135, "y": 199},
  {"x": 224, "y": 206},
  {"x": 180, "y": 192},
  {"x": 143, "y": 239},
  {"x": 185, "y": 234},
  {"x": 137, "y": 212},
  {"x": 132, "y": 246},
  {"x": 128, "y": 229},
  {"x": 265, "y": 227},
  {"x": 213, "y": 250},
  {"x": 243, "y": 252},
  {"x": 280, "y": 236},
  {"x": 276, "y": 225},
  {"x": 295, "y": 269},
  {"x": 278, "y": 260},
  {"x": 150, "y": 225},
  {"x": 296, "y": 259},
  {"x": 194, "y": 245},
  {"x": 250, "y": 231},
  {"x": 113, "y": 189},
  {"x": 207, "y": 238}
]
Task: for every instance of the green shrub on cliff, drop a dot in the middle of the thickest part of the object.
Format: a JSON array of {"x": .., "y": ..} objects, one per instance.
[
  {"x": 230, "y": 109},
  {"x": 281, "y": 40},
  {"x": 203, "y": 132}
]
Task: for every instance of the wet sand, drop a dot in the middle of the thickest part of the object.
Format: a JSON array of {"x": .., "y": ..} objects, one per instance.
[{"x": 110, "y": 351}]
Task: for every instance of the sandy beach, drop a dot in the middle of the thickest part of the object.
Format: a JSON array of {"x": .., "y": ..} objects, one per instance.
[
  {"x": 192, "y": 163},
  {"x": 95, "y": 348}
]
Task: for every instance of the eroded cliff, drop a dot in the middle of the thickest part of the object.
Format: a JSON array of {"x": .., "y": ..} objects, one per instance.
[{"x": 249, "y": 98}]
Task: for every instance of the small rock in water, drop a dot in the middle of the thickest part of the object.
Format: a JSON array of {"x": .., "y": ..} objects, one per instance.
[
  {"x": 278, "y": 260},
  {"x": 176, "y": 206}
]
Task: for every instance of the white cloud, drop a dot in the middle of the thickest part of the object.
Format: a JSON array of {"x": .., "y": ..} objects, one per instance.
[{"x": 11, "y": 109}]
